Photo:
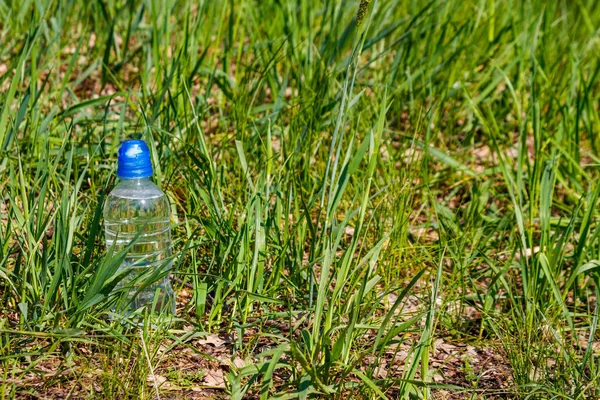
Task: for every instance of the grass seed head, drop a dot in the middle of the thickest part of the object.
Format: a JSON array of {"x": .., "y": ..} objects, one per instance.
[{"x": 362, "y": 11}]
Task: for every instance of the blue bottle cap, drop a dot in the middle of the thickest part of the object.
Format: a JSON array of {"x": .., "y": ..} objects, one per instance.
[{"x": 134, "y": 160}]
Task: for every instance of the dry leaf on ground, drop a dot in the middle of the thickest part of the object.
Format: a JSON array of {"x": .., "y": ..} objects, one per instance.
[{"x": 214, "y": 378}]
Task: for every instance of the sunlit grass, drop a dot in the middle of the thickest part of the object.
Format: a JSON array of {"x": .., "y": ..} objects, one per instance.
[{"x": 356, "y": 188}]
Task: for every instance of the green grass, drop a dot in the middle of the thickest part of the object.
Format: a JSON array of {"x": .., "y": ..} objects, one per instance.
[{"x": 391, "y": 199}]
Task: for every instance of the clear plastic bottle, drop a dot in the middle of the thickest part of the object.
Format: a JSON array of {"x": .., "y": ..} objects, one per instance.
[{"x": 137, "y": 217}]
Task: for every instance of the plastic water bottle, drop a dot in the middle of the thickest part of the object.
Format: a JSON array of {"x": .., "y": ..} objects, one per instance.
[{"x": 137, "y": 220}]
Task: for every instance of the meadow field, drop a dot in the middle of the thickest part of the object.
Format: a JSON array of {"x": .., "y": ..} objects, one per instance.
[{"x": 371, "y": 199}]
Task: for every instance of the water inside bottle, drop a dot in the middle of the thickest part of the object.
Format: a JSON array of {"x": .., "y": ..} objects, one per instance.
[{"x": 137, "y": 216}]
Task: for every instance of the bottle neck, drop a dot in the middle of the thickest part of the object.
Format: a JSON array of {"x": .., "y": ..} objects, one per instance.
[{"x": 135, "y": 181}]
